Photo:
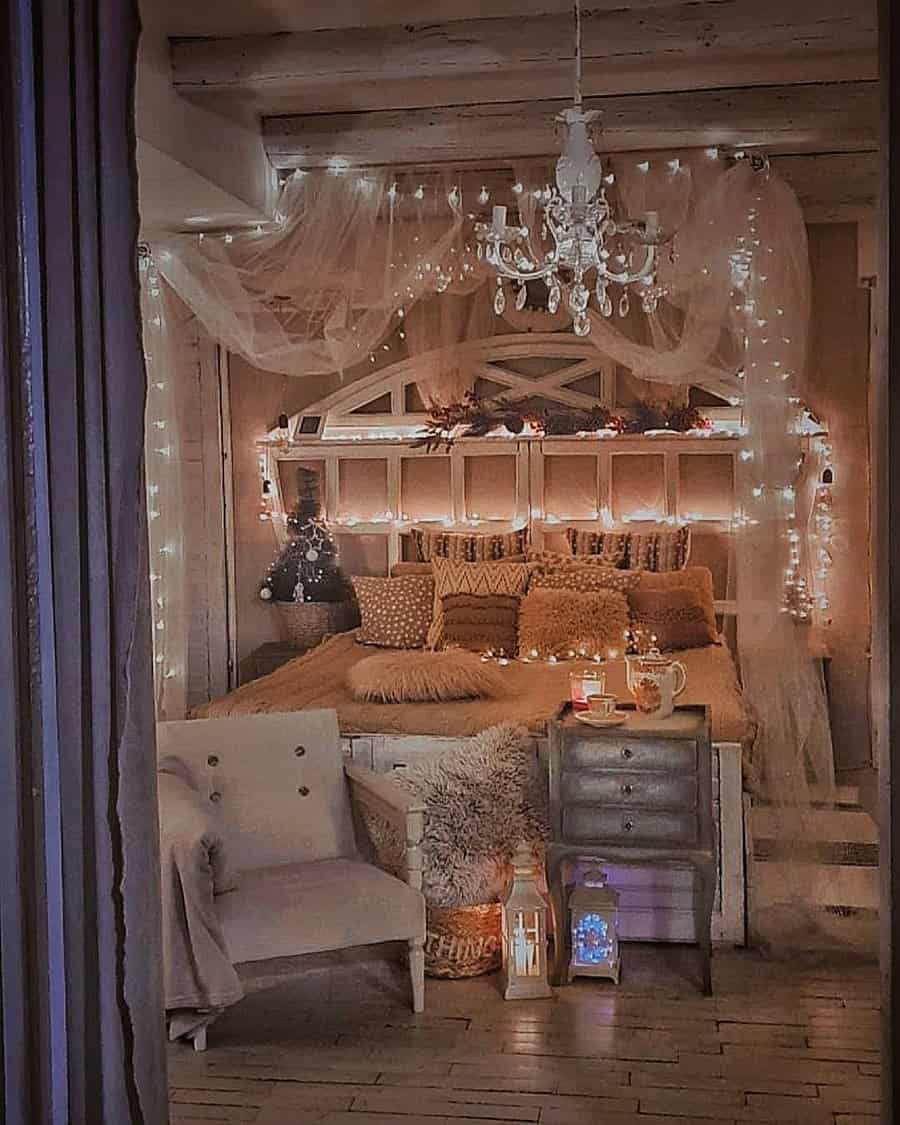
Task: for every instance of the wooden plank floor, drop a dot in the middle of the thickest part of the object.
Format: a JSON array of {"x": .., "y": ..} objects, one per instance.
[{"x": 332, "y": 1041}]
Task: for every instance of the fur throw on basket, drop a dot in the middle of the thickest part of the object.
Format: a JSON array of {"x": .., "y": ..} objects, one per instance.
[{"x": 482, "y": 800}]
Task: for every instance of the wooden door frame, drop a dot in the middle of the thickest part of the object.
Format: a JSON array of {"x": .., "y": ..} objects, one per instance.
[{"x": 886, "y": 554}]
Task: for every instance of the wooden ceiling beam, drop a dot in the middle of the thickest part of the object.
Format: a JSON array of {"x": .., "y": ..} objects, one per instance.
[
  {"x": 237, "y": 17},
  {"x": 703, "y": 45},
  {"x": 835, "y": 117}
]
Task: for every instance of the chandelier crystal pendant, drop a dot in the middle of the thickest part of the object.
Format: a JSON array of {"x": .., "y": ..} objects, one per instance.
[{"x": 588, "y": 246}]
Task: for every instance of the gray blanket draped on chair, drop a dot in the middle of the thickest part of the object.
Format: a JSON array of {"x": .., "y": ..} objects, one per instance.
[{"x": 200, "y": 980}]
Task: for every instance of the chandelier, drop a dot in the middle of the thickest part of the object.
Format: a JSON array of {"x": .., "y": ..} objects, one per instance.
[{"x": 587, "y": 243}]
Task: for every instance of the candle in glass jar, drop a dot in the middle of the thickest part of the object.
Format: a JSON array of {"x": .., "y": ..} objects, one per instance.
[{"x": 582, "y": 685}]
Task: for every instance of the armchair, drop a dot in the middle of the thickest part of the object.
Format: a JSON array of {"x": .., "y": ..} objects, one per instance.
[{"x": 281, "y": 802}]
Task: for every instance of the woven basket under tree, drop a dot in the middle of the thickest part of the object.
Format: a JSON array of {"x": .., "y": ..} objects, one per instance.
[
  {"x": 305, "y": 581},
  {"x": 308, "y": 623},
  {"x": 463, "y": 941}
]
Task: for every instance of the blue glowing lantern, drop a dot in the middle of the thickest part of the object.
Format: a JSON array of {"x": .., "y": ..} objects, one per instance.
[{"x": 594, "y": 914}]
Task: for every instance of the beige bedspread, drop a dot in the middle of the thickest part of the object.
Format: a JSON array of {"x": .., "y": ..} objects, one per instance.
[{"x": 317, "y": 679}]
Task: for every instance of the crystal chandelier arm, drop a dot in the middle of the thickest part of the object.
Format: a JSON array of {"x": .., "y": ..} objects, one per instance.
[{"x": 627, "y": 277}]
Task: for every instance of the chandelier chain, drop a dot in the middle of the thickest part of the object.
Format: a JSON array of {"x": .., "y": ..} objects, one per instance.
[{"x": 578, "y": 62}]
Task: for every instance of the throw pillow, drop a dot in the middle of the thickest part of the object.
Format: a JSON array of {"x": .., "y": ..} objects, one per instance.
[
  {"x": 565, "y": 623},
  {"x": 481, "y": 623},
  {"x": 483, "y": 581},
  {"x": 587, "y": 579},
  {"x": 656, "y": 550},
  {"x": 468, "y": 546},
  {"x": 609, "y": 545},
  {"x": 425, "y": 677},
  {"x": 679, "y": 616},
  {"x": 395, "y": 612},
  {"x": 401, "y": 569}
]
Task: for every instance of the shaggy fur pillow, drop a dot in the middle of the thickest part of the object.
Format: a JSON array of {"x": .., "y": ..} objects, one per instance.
[
  {"x": 481, "y": 800},
  {"x": 425, "y": 677},
  {"x": 566, "y": 623}
]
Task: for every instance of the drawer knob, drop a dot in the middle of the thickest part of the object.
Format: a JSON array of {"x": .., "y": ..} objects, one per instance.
[
  {"x": 627, "y": 790},
  {"x": 215, "y": 798},
  {"x": 212, "y": 760},
  {"x": 627, "y": 752},
  {"x": 303, "y": 790},
  {"x": 300, "y": 751},
  {"x": 628, "y": 825}
]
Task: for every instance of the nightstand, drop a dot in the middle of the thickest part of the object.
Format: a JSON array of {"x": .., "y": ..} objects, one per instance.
[{"x": 639, "y": 793}]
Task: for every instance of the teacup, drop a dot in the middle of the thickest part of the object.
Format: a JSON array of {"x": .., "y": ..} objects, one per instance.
[{"x": 603, "y": 706}]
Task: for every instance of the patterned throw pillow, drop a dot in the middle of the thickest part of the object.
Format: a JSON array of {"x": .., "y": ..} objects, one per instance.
[
  {"x": 468, "y": 546},
  {"x": 566, "y": 623},
  {"x": 395, "y": 612},
  {"x": 656, "y": 550},
  {"x": 679, "y": 616},
  {"x": 494, "y": 590},
  {"x": 609, "y": 545},
  {"x": 587, "y": 579}
]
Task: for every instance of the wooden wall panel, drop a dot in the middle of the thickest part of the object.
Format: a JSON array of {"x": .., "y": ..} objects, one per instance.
[{"x": 837, "y": 388}]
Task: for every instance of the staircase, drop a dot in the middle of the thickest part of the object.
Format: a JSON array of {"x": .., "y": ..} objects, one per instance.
[{"x": 823, "y": 866}]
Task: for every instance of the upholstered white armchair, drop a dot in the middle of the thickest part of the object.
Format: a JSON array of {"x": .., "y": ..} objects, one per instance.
[{"x": 268, "y": 797}]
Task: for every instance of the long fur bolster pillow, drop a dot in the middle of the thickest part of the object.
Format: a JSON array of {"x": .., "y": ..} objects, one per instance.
[{"x": 425, "y": 677}]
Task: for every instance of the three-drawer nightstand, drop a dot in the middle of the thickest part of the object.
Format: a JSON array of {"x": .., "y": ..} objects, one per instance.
[{"x": 640, "y": 793}]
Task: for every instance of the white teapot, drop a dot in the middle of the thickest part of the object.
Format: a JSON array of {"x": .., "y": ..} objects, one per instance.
[{"x": 655, "y": 681}]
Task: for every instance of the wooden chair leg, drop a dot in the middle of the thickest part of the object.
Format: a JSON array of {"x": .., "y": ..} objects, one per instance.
[{"x": 417, "y": 972}]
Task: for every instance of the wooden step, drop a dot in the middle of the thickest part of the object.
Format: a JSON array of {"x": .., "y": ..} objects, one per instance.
[{"x": 819, "y": 864}]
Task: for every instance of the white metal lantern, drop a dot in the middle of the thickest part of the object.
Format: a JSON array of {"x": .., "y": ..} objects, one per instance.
[
  {"x": 525, "y": 932},
  {"x": 594, "y": 914}
]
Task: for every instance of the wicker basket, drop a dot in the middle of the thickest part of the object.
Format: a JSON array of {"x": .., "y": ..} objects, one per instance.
[
  {"x": 463, "y": 941},
  {"x": 307, "y": 623}
]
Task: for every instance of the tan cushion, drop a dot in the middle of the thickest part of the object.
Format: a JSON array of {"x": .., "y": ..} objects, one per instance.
[
  {"x": 401, "y": 569},
  {"x": 480, "y": 624},
  {"x": 425, "y": 677},
  {"x": 395, "y": 612},
  {"x": 587, "y": 579},
  {"x": 679, "y": 617},
  {"x": 476, "y": 579},
  {"x": 312, "y": 907},
  {"x": 566, "y": 623},
  {"x": 697, "y": 578},
  {"x": 656, "y": 550},
  {"x": 468, "y": 546}
]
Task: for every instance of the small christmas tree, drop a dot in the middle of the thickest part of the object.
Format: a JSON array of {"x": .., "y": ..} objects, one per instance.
[{"x": 306, "y": 569}]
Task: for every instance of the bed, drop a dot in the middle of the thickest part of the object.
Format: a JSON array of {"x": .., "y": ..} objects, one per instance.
[
  {"x": 654, "y": 905},
  {"x": 537, "y": 690}
]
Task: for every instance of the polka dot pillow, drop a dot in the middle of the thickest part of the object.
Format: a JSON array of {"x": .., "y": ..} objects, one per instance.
[{"x": 395, "y": 612}]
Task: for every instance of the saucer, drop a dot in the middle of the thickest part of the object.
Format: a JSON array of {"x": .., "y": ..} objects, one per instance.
[{"x": 592, "y": 720}]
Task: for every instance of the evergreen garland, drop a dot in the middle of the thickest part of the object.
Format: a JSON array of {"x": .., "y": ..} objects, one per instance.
[{"x": 473, "y": 416}]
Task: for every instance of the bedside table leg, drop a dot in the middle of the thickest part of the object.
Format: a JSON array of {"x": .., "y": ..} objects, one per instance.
[
  {"x": 703, "y": 908},
  {"x": 559, "y": 909}
]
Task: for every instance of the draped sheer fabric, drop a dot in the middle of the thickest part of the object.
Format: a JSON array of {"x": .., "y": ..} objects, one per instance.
[{"x": 357, "y": 260}]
